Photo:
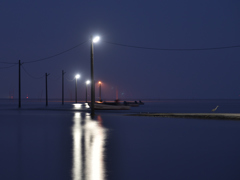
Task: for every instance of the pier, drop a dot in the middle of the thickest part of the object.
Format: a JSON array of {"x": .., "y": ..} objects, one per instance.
[{"x": 223, "y": 116}]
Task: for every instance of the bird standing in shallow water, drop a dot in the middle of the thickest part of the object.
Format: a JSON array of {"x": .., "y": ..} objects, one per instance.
[{"x": 213, "y": 110}]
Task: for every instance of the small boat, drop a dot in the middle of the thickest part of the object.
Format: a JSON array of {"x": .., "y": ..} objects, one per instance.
[
  {"x": 141, "y": 103},
  {"x": 132, "y": 104},
  {"x": 111, "y": 103},
  {"x": 102, "y": 106}
]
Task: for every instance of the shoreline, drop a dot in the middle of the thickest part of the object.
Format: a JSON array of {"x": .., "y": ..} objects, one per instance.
[{"x": 218, "y": 116}]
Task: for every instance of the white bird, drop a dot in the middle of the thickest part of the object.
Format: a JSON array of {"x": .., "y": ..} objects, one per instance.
[{"x": 215, "y": 109}]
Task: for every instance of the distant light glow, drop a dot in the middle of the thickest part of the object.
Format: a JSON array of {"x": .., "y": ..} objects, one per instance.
[
  {"x": 86, "y": 105},
  {"x": 77, "y": 106},
  {"x": 99, "y": 82},
  {"x": 96, "y": 39},
  {"x": 77, "y": 76},
  {"x": 87, "y": 82}
]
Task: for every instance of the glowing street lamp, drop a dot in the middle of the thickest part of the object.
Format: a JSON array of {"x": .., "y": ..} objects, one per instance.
[
  {"x": 87, "y": 82},
  {"x": 93, "y": 40},
  {"x": 96, "y": 39},
  {"x": 76, "y": 77},
  {"x": 100, "y": 84}
]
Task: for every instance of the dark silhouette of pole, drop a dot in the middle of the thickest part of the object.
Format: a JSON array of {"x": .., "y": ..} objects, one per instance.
[
  {"x": 63, "y": 86},
  {"x": 87, "y": 82},
  {"x": 19, "y": 83},
  {"x": 92, "y": 81},
  {"x": 100, "y": 84},
  {"x": 46, "y": 89},
  {"x": 116, "y": 93},
  {"x": 76, "y": 90},
  {"x": 86, "y": 92}
]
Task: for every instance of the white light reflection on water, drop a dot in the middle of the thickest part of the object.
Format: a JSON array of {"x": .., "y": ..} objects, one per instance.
[{"x": 88, "y": 148}]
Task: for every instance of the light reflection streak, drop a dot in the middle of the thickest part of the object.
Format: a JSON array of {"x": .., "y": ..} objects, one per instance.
[
  {"x": 77, "y": 157},
  {"x": 88, "y": 148}
]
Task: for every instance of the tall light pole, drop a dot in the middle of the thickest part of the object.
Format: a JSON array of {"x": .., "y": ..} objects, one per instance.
[
  {"x": 63, "y": 86},
  {"x": 100, "y": 84},
  {"x": 87, "y": 82},
  {"x": 93, "y": 40},
  {"x": 19, "y": 83},
  {"x": 46, "y": 75},
  {"x": 76, "y": 77}
]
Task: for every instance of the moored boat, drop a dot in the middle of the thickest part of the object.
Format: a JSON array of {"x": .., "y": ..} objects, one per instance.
[
  {"x": 132, "y": 104},
  {"x": 102, "y": 106},
  {"x": 141, "y": 103}
]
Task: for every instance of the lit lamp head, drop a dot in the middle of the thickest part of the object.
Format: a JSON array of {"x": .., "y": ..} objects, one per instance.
[
  {"x": 77, "y": 76},
  {"x": 96, "y": 39},
  {"x": 99, "y": 82},
  {"x": 87, "y": 82}
]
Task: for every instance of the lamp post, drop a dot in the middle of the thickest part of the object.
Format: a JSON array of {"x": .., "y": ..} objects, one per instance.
[
  {"x": 63, "y": 86},
  {"x": 87, "y": 82},
  {"x": 46, "y": 75},
  {"x": 19, "y": 83},
  {"x": 76, "y": 77},
  {"x": 93, "y": 40},
  {"x": 100, "y": 84}
]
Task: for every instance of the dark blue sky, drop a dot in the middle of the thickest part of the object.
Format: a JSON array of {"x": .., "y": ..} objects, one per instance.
[{"x": 31, "y": 30}]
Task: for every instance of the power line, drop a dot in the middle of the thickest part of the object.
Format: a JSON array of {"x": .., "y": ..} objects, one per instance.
[
  {"x": 31, "y": 75},
  {"x": 56, "y": 78},
  {"x": 8, "y": 67},
  {"x": 42, "y": 59},
  {"x": 7, "y": 63},
  {"x": 69, "y": 79},
  {"x": 177, "y": 49}
]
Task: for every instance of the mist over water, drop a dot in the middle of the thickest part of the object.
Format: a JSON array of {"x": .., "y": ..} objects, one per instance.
[{"x": 65, "y": 142}]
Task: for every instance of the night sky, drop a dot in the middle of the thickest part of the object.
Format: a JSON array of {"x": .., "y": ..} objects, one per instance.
[{"x": 33, "y": 30}]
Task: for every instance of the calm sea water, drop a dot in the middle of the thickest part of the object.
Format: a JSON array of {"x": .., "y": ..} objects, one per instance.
[{"x": 61, "y": 142}]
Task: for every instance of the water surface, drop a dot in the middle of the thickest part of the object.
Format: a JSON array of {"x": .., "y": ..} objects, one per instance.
[{"x": 62, "y": 144}]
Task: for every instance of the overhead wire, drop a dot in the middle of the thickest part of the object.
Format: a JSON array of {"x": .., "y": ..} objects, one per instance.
[
  {"x": 30, "y": 74},
  {"x": 56, "y": 77},
  {"x": 123, "y": 45},
  {"x": 8, "y": 66},
  {"x": 69, "y": 79},
  {"x": 7, "y": 63},
  {"x": 173, "y": 49},
  {"x": 42, "y": 59}
]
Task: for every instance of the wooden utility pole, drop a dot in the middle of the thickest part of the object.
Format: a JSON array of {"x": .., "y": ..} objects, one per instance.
[
  {"x": 92, "y": 81},
  {"x": 46, "y": 89},
  {"x": 19, "y": 84},
  {"x": 63, "y": 86}
]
